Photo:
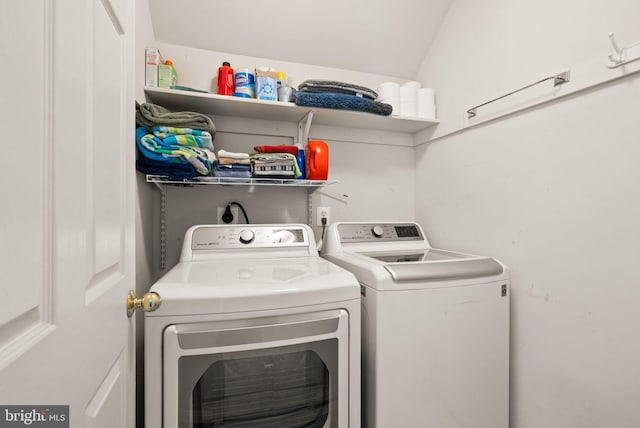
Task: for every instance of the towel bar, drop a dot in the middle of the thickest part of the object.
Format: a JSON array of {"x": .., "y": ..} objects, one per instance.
[{"x": 558, "y": 79}]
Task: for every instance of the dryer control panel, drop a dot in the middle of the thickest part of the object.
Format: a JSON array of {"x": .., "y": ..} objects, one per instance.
[
  {"x": 379, "y": 232},
  {"x": 214, "y": 237}
]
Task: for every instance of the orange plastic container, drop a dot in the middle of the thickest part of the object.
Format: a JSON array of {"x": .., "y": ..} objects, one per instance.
[{"x": 317, "y": 154}]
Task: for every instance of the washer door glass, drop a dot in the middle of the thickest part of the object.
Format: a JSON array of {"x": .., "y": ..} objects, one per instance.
[{"x": 280, "y": 372}]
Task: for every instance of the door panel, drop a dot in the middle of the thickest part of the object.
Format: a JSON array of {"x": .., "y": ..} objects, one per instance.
[
  {"x": 67, "y": 236},
  {"x": 104, "y": 188},
  {"x": 25, "y": 233},
  {"x": 109, "y": 401}
]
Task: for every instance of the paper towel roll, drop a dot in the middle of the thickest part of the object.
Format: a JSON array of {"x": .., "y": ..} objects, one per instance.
[
  {"x": 388, "y": 91},
  {"x": 427, "y": 112},
  {"x": 408, "y": 108},
  {"x": 426, "y": 95},
  {"x": 408, "y": 94},
  {"x": 426, "y": 103},
  {"x": 412, "y": 84}
]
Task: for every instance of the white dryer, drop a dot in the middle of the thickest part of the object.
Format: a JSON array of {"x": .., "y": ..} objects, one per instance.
[
  {"x": 435, "y": 328},
  {"x": 254, "y": 329}
]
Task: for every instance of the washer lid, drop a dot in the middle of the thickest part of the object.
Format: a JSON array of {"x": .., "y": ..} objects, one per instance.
[
  {"x": 434, "y": 264},
  {"x": 213, "y": 287},
  {"x": 405, "y": 272}
]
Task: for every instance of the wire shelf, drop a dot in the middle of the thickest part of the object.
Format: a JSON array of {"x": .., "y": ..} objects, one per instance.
[{"x": 234, "y": 181}]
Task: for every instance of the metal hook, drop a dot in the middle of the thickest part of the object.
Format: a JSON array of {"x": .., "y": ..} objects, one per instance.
[{"x": 618, "y": 55}]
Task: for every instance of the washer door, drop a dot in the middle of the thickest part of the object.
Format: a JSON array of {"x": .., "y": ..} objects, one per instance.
[{"x": 284, "y": 372}]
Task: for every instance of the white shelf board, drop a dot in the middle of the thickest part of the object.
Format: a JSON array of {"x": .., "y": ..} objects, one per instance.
[{"x": 219, "y": 105}]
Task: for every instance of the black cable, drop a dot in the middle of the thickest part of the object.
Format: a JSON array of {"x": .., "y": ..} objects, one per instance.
[
  {"x": 246, "y": 219},
  {"x": 324, "y": 227}
]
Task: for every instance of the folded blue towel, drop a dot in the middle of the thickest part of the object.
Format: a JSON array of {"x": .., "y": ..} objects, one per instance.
[
  {"x": 341, "y": 102},
  {"x": 184, "y": 136},
  {"x": 157, "y": 149},
  {"x": 231, "y": 170},
  {"x": 174, "y": 170}
]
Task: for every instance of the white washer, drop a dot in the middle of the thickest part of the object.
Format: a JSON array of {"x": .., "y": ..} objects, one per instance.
[
  {"x": 435, "y": 328},
  {"x": 254, "y": 329}
]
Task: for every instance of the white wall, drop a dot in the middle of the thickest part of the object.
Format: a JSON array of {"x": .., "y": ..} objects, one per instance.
[
  {"x": 375, "y": 174},
  {"x": 552, "y": 192},
  {"x": 198, "y": 68},
  {"x": 377, "y": 179}
]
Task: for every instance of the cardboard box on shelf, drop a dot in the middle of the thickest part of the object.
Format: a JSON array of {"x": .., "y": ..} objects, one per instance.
[
  {"x": 266, "y": 85},
  {"x": 153, "y": 58}
]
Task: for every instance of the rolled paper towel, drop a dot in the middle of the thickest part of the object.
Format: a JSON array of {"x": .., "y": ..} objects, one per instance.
[
  {"x": 388, "y": 91},
  {"x": 426, "y": 103},
  {"x": 412, "y": 84},
  {"x": 408, "y": 108},
  {"x": 408, "y": 93},
  {"x": 409, "y": 99}
]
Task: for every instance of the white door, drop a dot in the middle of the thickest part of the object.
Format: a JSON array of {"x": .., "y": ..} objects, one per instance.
[{"x": 67, "y": 215}]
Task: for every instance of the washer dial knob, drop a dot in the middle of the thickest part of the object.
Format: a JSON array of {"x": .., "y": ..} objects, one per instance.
[
  {"x": 377, "y": 231},
  {"x": 246, "y": 236}
]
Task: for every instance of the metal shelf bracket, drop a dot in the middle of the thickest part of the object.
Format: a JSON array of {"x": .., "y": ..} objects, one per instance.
[{"x": 303, "y": 130}]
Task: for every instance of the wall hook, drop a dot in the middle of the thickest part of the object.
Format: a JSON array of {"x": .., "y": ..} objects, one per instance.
[{"x": 617, "y": 56}]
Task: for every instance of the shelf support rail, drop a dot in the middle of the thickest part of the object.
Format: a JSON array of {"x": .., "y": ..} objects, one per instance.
[
  {"x": 303, "y": 131},
  {"x": 558, "y": 79},
  {"x": 163, "y": 228},
  {"x": 163, "y": 222}
]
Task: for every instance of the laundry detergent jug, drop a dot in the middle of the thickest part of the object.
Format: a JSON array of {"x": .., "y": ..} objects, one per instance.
[{"x": 317, "y": 160}]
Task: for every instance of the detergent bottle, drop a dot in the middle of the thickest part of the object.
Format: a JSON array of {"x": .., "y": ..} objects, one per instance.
[{"x": 317, "y": 154}]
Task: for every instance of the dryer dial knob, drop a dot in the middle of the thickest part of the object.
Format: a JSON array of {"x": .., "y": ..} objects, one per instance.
[
  {"x": 246, "y": 236},
  {"x": 377, "y": 231}
]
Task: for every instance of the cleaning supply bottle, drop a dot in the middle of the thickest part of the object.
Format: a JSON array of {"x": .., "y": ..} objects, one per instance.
[
  {"x": 301, "y": 160},
  {"x": 225, "y": 79},
  {"x": 167, "y": 76},
  {"x": 244, "y": 84},
  {"x": 282, "y": 86}
]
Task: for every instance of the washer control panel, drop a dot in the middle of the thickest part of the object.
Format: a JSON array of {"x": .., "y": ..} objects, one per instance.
[
  {"x": 379, "y": 232},
  {"x": 248, "y": 236}
]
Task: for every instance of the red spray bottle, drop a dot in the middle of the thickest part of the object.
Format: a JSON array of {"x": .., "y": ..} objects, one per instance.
[{"x": 225, "y": 79}]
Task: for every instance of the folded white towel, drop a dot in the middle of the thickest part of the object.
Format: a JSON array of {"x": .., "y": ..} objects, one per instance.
[{"x": 232, "y": 155}]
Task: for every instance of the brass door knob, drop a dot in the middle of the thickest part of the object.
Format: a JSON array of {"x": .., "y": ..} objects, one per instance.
[{"x": 149, "y": 302}]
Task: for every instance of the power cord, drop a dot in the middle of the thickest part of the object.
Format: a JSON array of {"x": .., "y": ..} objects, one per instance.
[
  {"x": 227, "y": 216},
  {"x": 324, "y": 227},
  {"x": 320, "y": 243}
]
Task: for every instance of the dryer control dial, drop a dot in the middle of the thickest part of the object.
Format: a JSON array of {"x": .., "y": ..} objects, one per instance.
[
  {"x": 246, "y": 236},
  {"x": 377, "y": 231}
]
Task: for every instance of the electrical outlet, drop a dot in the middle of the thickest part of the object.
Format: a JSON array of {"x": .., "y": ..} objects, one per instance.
[
  {"x": 234, "y": 211},
  {"x": 323, "y": 212}
]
